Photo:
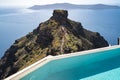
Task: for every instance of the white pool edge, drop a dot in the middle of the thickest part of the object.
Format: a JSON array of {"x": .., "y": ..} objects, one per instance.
[{"x": 47, "y": 59}]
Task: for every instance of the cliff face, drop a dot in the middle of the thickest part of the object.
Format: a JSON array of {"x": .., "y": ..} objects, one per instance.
[{"x": 58, "y": 35}]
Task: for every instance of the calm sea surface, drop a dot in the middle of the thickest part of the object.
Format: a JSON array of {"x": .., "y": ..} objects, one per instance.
[{"x": 15, "y": 23}]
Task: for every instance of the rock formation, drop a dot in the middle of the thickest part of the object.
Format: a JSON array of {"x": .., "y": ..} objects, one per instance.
[{"x": 58, "y": 35}]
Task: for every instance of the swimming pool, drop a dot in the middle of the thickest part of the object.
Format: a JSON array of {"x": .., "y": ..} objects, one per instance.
[{"x": 98, "y": 64}]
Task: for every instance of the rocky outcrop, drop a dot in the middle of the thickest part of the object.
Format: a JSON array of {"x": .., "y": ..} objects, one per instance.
[{"x": 58, "y": 35}]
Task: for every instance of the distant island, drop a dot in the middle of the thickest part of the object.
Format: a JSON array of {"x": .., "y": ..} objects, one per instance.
[{"x": 73, "y": 6}]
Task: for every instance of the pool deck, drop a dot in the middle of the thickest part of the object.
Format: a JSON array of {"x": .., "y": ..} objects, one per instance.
[{"x": 49, "y": 58}]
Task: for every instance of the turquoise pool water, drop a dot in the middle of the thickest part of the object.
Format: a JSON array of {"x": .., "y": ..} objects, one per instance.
[{"x": 103, "y": 65}]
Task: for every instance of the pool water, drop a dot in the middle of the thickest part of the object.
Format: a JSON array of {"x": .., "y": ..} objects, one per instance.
[
  {"x": 108, "y": 69},
  {"x": 103, "y": 65}
]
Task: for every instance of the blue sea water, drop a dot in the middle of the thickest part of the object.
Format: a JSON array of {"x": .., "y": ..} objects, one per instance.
[{"x": 15, "y": 23}]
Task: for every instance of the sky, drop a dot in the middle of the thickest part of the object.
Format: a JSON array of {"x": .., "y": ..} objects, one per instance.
[{"x": 43, "y": 2}]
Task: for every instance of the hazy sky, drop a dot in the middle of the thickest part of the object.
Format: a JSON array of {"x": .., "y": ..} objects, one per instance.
[{"x": 42, "y": 2}]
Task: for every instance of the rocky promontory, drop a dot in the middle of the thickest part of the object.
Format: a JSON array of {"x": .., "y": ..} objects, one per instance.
[{"x": 58, "y": 35}]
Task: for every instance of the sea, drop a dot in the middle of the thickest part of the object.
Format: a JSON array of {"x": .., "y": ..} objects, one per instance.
[{"x": 17, "y": 22}]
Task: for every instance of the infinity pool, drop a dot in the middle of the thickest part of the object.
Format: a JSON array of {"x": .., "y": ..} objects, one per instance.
[{"x": 100, "y": 65}]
